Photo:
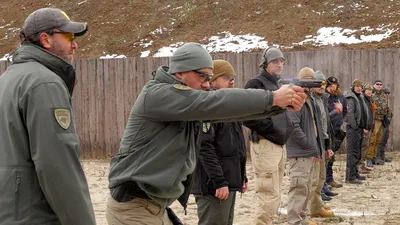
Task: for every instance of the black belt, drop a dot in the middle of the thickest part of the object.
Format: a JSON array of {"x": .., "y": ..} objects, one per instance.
[{"x": 128, "y": 191}]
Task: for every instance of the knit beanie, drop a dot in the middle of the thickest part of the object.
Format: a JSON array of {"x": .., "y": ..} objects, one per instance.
[
  {"x": 319, "y": 75},
  {"x": 356, "y": 83},
  {"x": 270, "y": 54},
  {"x": 368, "y": 86},
  {"x": 378, "y": 81},
  {"x": 386, "y": 90},
  {"x": 306, "y": 73},
  {"x": 191, "y": 56},
  {"x": 222, "y": 67}
]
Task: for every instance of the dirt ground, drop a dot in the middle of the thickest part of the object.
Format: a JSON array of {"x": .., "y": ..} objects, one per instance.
[{"x": 374, "y": 202}]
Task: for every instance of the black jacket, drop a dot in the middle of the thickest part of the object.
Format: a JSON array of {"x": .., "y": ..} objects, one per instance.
[
  {"x": 371, "y": 119},
  {"x": 222, "y": 159},
  {"x": 276, "y": 129}
]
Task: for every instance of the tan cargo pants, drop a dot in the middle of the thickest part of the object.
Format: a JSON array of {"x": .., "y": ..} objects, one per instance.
[
  {"x": 376, "y": 138},
  {"x": 268, "y": 161},
  {"x": 136, "y": 212},
  {"x": 300, "y": 170},
  {"x": 317, "y": 183}
]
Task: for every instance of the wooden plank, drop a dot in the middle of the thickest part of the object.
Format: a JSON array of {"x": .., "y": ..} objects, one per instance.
[
  {"x": 76, "y": 104},
  {"x": 107, "y": 105},
  {"x": 100, "y": 109},
  {"x": 91, "y": 106},
  {"x": 120, "y": 103}
]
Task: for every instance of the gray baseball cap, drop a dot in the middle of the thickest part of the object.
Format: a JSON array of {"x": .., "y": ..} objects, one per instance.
[{"x": 52, "y": 18}]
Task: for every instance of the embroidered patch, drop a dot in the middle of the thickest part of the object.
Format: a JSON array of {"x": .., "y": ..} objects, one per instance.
[
  {"x": 182, "y": 87},
  {"x": 63, "y": 118},
  {"x": 206, "y": 127}
]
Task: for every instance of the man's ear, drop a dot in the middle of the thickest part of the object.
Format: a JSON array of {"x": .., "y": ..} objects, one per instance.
[
  {"x": 46, "y": 40},
  {"x": 179, "y": 76}
]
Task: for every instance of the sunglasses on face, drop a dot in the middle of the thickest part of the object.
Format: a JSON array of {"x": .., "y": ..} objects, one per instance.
[
  {"x": 379, "y": 84},
  {"x": 206, "y": 76},
  {"x": 69, "y": 36}
]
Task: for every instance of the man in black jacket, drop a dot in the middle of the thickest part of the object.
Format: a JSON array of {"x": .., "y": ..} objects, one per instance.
[
  {"x": 221, "y": 168},
  {"x": 356, "y": 120},
  {"x": 268, "y": 138}
]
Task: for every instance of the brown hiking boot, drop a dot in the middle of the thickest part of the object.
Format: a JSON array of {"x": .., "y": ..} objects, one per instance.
[
  {"x": 335, "y": 184},
  {"x": 323, "y": 213}
]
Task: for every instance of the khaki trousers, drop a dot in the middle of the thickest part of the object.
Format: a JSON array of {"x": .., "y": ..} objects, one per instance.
[
  {"x": 268, "y": 161},
  {"x": 376, "y": 138},
  {"x": 300, "y": 170},
  {"x": 136, "y": 212},
  {"x": 317, "y": 183}
]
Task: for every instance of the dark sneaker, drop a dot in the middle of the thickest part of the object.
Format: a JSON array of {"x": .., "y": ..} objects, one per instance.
[
  {"x": 361, "y": 177},
  {"x": 354, "y": 181},
  {"x": 387, "y": 159},
  {"x": 325, "y": 197},
  {"x": 379, "y": 162},
  {"x": 331, "y": 193}
]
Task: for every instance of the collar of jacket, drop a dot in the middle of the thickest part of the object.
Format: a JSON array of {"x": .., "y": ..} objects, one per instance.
[
  {"x": 163, "y": 76},
  {"x": 267, "y": 75},
  {"x": 33, "y": 53}
]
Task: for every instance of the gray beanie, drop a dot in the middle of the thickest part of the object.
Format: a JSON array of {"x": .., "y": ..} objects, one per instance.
[
  {"x": 319, "y": 75},
  {"x": 191, "y": 56},
  {"x": 270, "y": 54}
]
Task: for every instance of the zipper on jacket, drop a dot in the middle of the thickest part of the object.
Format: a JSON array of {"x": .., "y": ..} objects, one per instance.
[{"x": 16, "y": 196}]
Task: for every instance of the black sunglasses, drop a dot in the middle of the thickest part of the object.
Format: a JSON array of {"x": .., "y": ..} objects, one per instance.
[{"x": 207, "y": 75}]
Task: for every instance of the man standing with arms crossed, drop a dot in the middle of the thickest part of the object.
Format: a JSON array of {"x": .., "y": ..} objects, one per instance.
[
  {"x": 172, "y": 107},
  {"x": 268, "y": 137},
  {"x": 42, "y": 180}
]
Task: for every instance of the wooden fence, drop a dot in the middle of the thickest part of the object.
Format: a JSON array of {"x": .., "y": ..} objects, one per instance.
[{"x": 107, "y": 89}]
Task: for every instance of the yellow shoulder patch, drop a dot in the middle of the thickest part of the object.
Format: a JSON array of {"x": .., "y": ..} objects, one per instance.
[
  {"x": 63, "y": 117},
  {"x": 206, "y": 127},
  {"x": 182, "y": 87}
]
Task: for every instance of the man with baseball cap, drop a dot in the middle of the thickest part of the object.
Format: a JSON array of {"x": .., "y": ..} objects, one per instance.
[
  {"x": 268, "y": 136},
  {"x": 382, "y": 145},
  {"x": 336, "y": 101},
  {"x": 42, "y": 178},
  {"x": 159, "y": 148},
  {"x": 382, "y": 111}
]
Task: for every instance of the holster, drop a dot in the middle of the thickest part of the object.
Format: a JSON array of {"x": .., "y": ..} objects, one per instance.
[{"x": 173, "y": 217}]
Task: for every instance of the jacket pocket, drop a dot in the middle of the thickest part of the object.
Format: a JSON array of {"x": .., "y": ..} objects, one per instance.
[{"x": 17, "y": 195}]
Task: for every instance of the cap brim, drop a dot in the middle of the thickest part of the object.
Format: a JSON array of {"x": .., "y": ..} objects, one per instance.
[{"x": 76, "y": 28}]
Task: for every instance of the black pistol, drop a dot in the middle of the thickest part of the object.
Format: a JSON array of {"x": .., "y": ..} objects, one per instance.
[{"x": 304, "y": 83}]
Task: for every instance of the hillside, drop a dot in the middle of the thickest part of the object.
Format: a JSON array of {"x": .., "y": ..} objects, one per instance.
[{"x": 130, "y": 27}]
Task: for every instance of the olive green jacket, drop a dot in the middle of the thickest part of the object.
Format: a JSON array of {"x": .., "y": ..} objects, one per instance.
[
  {"x": 159, "y": 147},
  {"x": 41, "y": 177}
]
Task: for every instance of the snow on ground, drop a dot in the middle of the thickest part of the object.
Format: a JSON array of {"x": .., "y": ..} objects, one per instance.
[{"x": 338, "y": 35}]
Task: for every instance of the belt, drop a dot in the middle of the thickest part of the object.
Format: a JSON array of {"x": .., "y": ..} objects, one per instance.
[{"x": 128, "y": 191}]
